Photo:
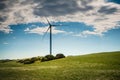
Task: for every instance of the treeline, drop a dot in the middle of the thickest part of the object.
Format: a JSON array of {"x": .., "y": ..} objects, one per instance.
[
  {"x": 41, "y": 59},
  {"x": 5, "y": 60}
]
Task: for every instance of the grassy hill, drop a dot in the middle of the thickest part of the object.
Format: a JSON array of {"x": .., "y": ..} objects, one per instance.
[{"x": 100, "y": 66}]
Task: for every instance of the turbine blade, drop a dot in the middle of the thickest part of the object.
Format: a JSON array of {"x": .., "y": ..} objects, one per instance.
[
  {"x": 59, "y": 25},
  {"x": 55, "y": 25},
  {"x": 45, "y": 33},
  {"x": 48, "y": 21}
]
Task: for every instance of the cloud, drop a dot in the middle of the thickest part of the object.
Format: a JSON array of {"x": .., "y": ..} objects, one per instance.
[
  {"x": 87, "y": 32},
  {"x": 98, "y": 14},
  {"x": 107, "y": 10},
  {"x": 5, "y": 43},
  {"x": 5, "y": 28},
  {"x": 42, "y": 30}
]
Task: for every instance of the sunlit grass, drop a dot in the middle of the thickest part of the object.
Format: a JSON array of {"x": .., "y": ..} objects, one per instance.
[{"x": 101, "y": 66}]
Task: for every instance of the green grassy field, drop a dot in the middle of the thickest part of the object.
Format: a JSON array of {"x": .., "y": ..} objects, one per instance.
[{"x": 100, "y": 66}]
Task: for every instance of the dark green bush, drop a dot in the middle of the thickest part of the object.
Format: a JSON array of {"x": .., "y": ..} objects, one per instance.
[
  {"x": 20, "y": 61},
  {"x": 44, "y": 59},
  {"x": 58, "y": 56},
  {"x": 39, "y": 58},
  {"x": 34, "y": 59},
  {"x": 48, "y": 58},
  {"x": 28, "y": 61}
]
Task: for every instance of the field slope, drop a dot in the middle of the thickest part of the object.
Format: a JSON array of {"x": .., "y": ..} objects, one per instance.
[{"x": 99, "y": 66}]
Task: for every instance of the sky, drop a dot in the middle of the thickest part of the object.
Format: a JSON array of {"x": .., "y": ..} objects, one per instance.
[{"x": 85, "y": 26}]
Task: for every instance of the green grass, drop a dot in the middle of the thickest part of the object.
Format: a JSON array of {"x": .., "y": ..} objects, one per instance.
[{"x": 100, "y": 66}]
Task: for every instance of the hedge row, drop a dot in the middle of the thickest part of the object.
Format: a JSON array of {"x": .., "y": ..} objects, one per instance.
[
  {"x": 51, "y": 57},
  {"x": 41, "y": 59},
  {"x": 29, "y": 60}
]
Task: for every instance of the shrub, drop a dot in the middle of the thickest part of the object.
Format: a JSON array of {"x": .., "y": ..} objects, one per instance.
[
  {"x": 48, "y": 58},
  {"x": 39, "y": 58},
  {"x": 20, "y": 61},
  {"x": 33, "y": 59},
  {"x": 58, "y": 56},
  {"x": 28, "y": 61},
  {"x": 44, "y": 59}
]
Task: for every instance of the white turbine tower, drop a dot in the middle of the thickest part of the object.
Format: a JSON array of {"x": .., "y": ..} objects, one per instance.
[{"x": 50, "y": 28}]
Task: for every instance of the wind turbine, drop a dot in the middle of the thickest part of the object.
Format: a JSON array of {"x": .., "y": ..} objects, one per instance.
[{"x": 50, "y": 28}]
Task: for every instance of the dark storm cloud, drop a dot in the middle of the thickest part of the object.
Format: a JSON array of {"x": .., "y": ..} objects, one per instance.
[
  {"x": 49, "y": 7},
  {"x": 27, "y": 11},
  {"x": 2, "y": 6},
  {"x": 107, "y": 10},
  {"x": 3, "y": 18},
  {"x": 5, "y": 6},
  {"x": 85, "y": 2},
  {"x": 55, "y": 9},
  {"x": 58, "y": 7}
]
